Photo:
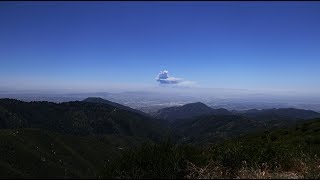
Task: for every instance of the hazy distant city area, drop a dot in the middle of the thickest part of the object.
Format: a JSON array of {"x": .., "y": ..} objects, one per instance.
[{"x": 150, "y": 102}]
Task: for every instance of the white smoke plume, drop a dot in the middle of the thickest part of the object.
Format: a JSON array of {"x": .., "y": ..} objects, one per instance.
[{"x": 164, "y": 78}]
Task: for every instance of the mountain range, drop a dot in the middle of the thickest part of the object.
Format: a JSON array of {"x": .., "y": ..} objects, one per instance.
[
  {"x": 193, "y": 110},
  {"x": 194, "y": 122},
  {"x": 41, "y": 139}
]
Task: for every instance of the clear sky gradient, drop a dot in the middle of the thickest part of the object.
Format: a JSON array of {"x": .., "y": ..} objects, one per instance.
[{"x": 239, "y": 45}]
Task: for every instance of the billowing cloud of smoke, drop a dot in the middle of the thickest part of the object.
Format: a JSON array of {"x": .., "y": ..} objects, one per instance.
[{"x": 164, "y": 78}]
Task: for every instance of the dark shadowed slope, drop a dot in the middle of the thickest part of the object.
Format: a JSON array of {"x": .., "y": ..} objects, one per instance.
[
  {"x": 188, "y": 111},
  {"x": 99, "y": 100},
  {"x": 35, "y": 153},
  {"x": 78, "y": 118},
  {"x": 290, "y": 153},
  {"x": 213, "y": 128},
  {"x": 280, "y": 114}
]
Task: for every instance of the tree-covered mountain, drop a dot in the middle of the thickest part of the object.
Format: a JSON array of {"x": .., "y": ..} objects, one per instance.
[
  {"x": 188, "y": 111},
  {"x": 191, "y": 123},
  {"x": 198, "y": 123},
  {"x": 193, "y": 110},
  {"x": 78, "y": 118},
  {"x": 280, "y": 114},
  {"x": 82, "y": 139},
  {"x": 99, "y": 100},
  {"x": 215, "y": 128}
]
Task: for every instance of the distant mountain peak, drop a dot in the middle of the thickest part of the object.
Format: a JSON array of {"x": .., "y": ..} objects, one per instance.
[
  {"x": 196, "y": 104},
  {"x": 188, "y": 111},
  {"x": 97, "y": 99}
]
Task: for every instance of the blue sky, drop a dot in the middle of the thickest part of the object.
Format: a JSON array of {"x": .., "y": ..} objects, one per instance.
[{"x": 95, "y": 45}]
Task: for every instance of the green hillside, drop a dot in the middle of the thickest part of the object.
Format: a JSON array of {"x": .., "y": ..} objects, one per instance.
[
  {"x": 78, "y": 118},
  {"x": 34, "y": 153},
  {"x": 188, "y": 111},
  {"x": 285, "y": 153},
  {"x": 97, "y": 140},
  {"x": 98, "y": 100},
  {"x": 216, "y": 128}
]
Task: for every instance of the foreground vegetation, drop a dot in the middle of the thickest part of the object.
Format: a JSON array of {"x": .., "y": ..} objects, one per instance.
[
  {"x": 286, "y": 153},
  {"x": 34, "y": 153}
]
